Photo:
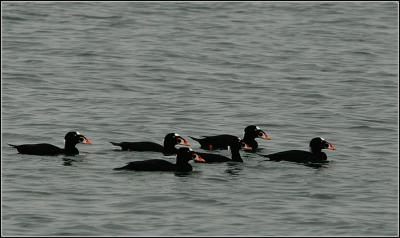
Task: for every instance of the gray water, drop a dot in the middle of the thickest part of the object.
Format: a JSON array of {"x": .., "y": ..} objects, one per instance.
[{"x": 135, "y": 71}]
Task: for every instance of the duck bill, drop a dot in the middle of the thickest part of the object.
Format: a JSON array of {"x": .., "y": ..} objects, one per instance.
[
  {"x": 184, "y": 142},
  {"x": 331, "y": 146},
  {"x": 198, "y": 158},
  {"x": 264, "y": 136},
  {"x": 246, "y": 147},
  {"x": 87, "y": 141}
]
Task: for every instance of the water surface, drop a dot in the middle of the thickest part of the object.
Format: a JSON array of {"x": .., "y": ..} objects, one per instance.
[{"x": 135, "y": 71}]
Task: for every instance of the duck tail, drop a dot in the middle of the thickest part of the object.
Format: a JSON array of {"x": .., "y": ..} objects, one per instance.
[
  {"x": 262, "y": 155},
  {"x": 121, "y": 168},
  {"x": 116, "y": 144}
]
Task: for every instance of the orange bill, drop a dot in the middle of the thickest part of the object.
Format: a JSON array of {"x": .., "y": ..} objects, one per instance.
[
  {"x": 87, "y": 141},
  {"x": 183, "y": 141},
  {"x": 264, "y": 136},
  {"x": 246, "y": 147},
  {"x": 331, "y": 146},
  {"x": 198, "y": 158}
]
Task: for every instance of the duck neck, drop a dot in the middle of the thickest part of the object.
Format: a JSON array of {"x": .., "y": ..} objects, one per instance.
[
  {"x": 183, "y": 165},
  {"x": 318, "y": 154},
  {"x": 169, "y": 148},
  {"x": 315, "y": 150},
  {"x": 252, "y": 143},
  {"x": 248, "y": 137},
  {"x": 70, "y": 148}
]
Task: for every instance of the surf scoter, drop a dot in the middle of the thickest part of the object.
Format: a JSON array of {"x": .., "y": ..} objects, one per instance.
[
  {"x": 183, "y": 156},
  {"x": 250, "y": 134},
  {"x": 71, "y": 139},
  {"x": 222, "y": 141},
  {"x": 300, "y": 156},
  {"x": 170, "y": 140}
]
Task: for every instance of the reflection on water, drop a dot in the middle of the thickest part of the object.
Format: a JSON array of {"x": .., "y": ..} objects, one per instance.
[
  {"x": 234, "y": 168},
  {"x": 183, "y": 174},
  {"x": 68, "y": 161},
  {"x": 324, "y": 164}
]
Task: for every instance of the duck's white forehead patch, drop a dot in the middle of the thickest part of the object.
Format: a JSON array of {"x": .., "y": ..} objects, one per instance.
[
  {"x": 176, "y": 134},
  {"x": 77, "y": 132},
  {"x": 322, "y": 138},
  {"x": 258, "y": 128}
]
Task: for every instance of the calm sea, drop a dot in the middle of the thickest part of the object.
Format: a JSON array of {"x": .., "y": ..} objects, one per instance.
[{"x": 135, "y": 71}]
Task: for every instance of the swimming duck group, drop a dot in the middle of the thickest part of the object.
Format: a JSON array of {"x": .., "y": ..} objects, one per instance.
[{"x": 185, "y": 154}]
